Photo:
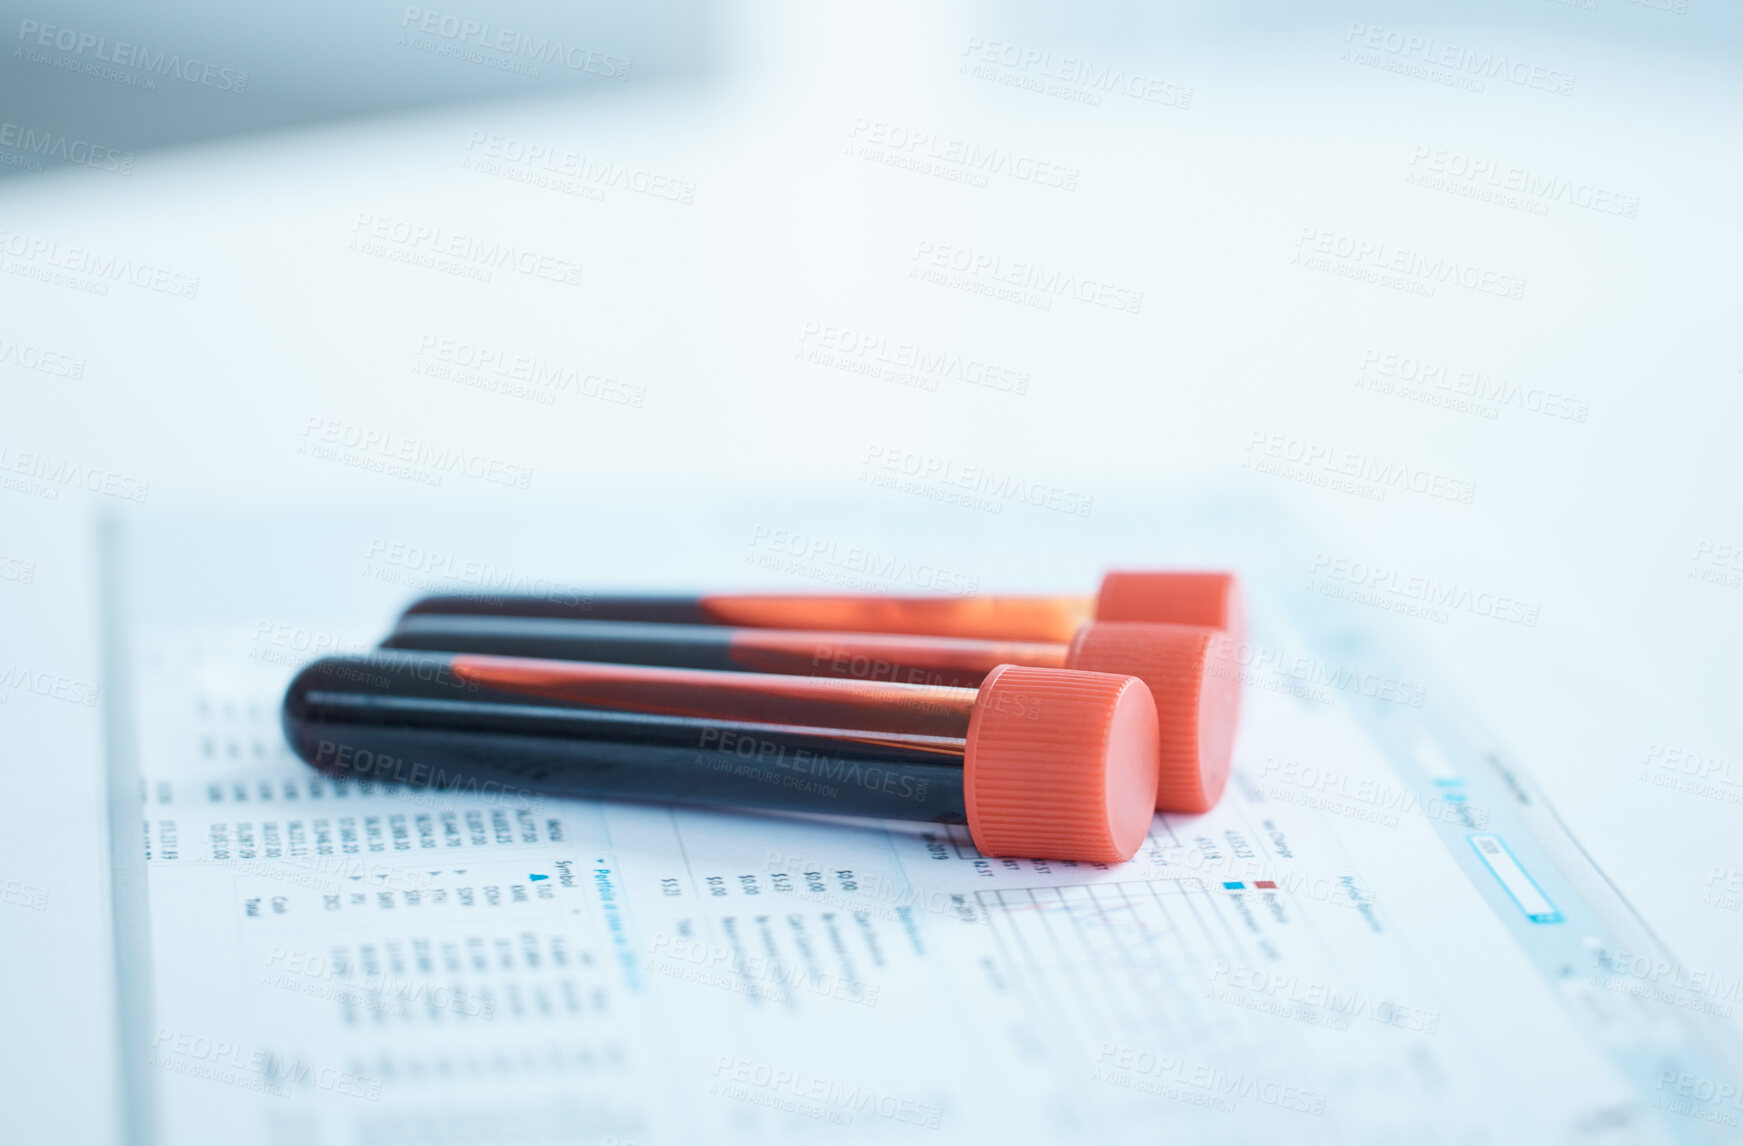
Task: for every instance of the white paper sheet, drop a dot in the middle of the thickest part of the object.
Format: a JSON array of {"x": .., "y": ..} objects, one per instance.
[{"x": 1328, "y": 956}]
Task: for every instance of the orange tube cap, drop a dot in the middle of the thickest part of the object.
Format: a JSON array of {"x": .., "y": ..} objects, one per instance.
[
  {"x": 1061, "y": 764},
  {"x": 1198, "y": 700},
  {"x": 1212, "y": 599}
]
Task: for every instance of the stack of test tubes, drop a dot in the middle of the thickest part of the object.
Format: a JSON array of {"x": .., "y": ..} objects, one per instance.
[{"x": 1052, "y": 726}]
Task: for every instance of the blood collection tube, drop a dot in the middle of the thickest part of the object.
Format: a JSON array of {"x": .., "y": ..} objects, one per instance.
[
  {"x": 1196, "y": 689},
  {"x": 1212, "y": 599},
  {"x": 1044, "y": 763}
]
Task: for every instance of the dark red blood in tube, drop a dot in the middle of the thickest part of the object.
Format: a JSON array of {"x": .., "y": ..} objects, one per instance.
[
  {"x": 874, "y": 657},
  {"x": 989, "y": 618},
  {"x": 1047, "y": 763},
  {"x": 1187, "y": 669},
  {"x": 1206, "y": 598},
  {"x": 757, "y": 698}
]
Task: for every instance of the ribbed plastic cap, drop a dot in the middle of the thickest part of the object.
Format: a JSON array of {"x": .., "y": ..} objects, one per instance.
[
  {"x": 1197, "y": 689},
  {"x": 1212, "y": 599},
  {"x": 1061, "y": 765}
]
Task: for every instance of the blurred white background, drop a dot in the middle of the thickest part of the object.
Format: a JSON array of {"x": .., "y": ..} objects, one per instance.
[{"x": 1488, "y": 249}]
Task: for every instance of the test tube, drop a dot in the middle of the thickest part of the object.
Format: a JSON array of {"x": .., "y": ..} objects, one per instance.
[
  {"x": 1043, "y": 763},
  {"x": 1196, "y": 685},
  {"x": 1185, "y": 598}
]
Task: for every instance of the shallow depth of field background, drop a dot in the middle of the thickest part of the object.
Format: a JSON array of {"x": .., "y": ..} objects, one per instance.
[{"x": 1452, "y": 287}]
